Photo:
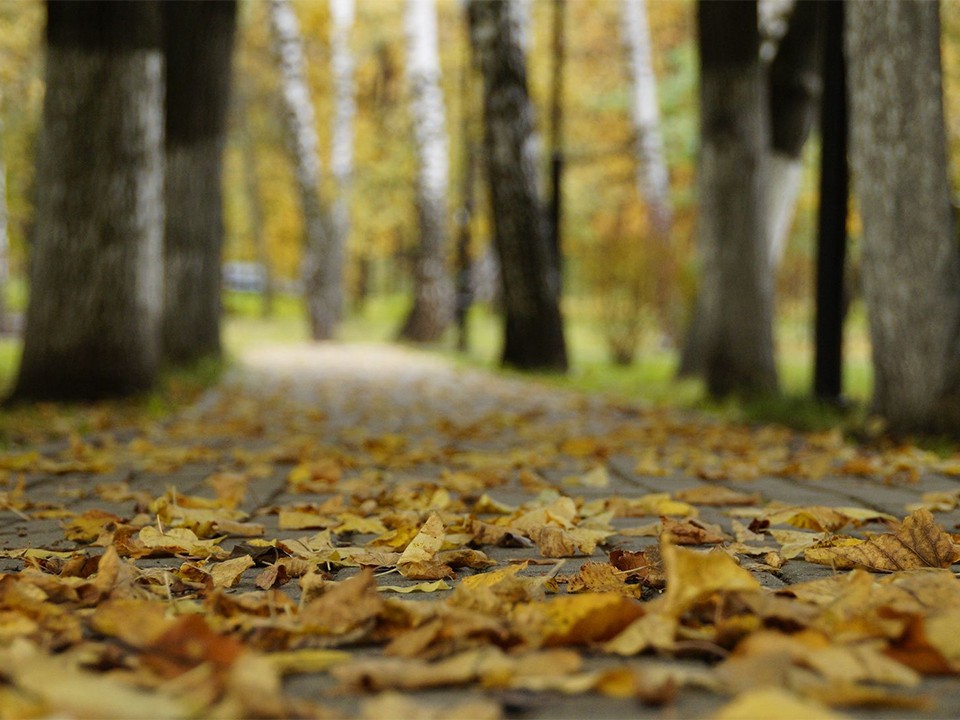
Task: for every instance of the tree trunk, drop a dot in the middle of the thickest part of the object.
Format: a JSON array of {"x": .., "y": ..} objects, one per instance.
[
  {"x": 737, "y": 287},
  {"x": 433, "y": 294},
  {"x": 341, "y": 145},
  {"x": 198, "y": 49},
  {"x": 92, "y": 326},
  {"x": 795, "y": 89},
  {"x": 653, "y": 178},
  {"x": 910, "y": 263},
  {"x": 534, "y": 328},
  {"x": 320, "y": 263},
  {"x": 255, "y": 212},
  {"x": 832, "y": 214}
]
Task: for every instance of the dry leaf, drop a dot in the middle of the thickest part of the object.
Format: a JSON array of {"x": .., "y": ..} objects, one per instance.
[
  {"x": 771, "y": 702},
  {"x": 694, "y": 576},
  {"x": 917, "y": 542}
]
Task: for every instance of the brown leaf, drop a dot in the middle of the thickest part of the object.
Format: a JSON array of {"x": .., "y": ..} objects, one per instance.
[
  {"x": 691, "y": 532},
  {"x": 344, "y": 606},
  {"x": 917, "y": 542},
  {"x": 646, "y": 565},
  {"x": 716, "y": 495},
  {"x": 601, "y": 577}
]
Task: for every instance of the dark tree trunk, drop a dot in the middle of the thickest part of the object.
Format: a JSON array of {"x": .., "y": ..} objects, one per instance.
[
  {"x": 737, "y": 286},
  {"x": 198, "y": 48},
  {"x": 534, "y": 327},
  {"x": 794, "y": 80},
  {"x": 96, "y": 272},
  {"x": 911, "y": 261},
  {"x": 832, "y": 214}
]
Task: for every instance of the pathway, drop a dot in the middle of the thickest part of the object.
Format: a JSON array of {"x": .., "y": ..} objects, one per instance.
[{"x": 356, "y": 446}]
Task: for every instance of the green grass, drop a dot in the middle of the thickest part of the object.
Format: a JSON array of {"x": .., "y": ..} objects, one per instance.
[{"x": 650, "y": 378}]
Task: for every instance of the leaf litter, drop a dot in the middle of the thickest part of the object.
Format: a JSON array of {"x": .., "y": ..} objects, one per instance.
[{"x": 195, "y": 569}]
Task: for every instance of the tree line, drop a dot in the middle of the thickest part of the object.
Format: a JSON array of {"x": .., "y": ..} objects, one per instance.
[{"x": 125, "y": 253}]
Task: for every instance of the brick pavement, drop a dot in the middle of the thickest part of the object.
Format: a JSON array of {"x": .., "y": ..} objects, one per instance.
[{"x": 408, "y": 419}]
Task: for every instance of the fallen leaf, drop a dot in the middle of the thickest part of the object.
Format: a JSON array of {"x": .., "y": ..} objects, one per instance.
[
  {"x": 773, "y": 702},
  {"x": 694, "y": 576},
  {"x": 917, "y": 542}
]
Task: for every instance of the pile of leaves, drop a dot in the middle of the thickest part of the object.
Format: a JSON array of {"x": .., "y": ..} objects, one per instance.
[{"x": 200, "y": 568}]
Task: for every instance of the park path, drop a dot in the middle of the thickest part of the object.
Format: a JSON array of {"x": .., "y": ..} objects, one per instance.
[{"x": 376, "y": 431}]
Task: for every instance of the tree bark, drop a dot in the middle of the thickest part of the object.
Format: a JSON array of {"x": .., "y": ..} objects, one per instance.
[
  {"x": 341, "y": 145},
  {"x": 795, "y": 89},
  {"x": 534, "y": 337},
  {"x": 96, "y": 272},
  {"x": 321, "y": 266},
  {"x": 910, "y": 262},
  {"x": 198, "y": 49},
  {"x": 832, "y": 214},
  {"x": 255, "y": 214},
  {"x": 737, "y": 287},
  {"x": 653, "y": 178},
  {"x": 433, "y": 298}
]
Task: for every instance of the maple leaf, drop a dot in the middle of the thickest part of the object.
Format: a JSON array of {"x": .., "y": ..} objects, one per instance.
[{"x": 917, "y": 542}]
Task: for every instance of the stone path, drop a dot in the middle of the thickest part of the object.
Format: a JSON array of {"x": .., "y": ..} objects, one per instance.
[{"x": 387, "y": 417}]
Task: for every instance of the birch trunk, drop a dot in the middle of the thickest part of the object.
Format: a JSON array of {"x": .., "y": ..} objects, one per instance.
[
  {"x": 324, "y": 299},
  {"x": 198, "y": 49},
  {"x": 341, "y": 146},
  {"x": 737, "y": 286},
  {"x": 653, "y": 178},
  {"x": 433, "y": 293},
  {"x": 910, "y": 263},
  {"x": 795, "y": 89},
  {"x": 96, "y": 272},
  {"x": 534, "y": 335}
]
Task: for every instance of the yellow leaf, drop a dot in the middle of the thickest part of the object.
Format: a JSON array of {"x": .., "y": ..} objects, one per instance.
[
  {"x": 717, "y": 495},
  {"x": 302, "y": 520},
  {"x": 350, "y": 522},
  {"x": 598, "y": 477},
  {"x": 227, "y": 574},
  {"x": 425, "y": 545},
  {"x": 694, "y": 576},
  {"x": 179, "y": 541},
  {"x": 577, "y": 619},
  {"x": 769, "y": 702},
  {"x": 489, "y": 579},
  {"x": 424, "y": 587},
  {"x": 311, "y": 660},
  {"x": 650, "y": 631}
]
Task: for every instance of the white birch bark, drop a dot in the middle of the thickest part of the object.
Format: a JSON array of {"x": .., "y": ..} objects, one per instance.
[
  {"x": 341, "y": 145},
  {"x": 433, "y": 296},
  {"x": 323, "y": 301},
  {"x": 782, "y": 170},
  {"x": 653, "y": 179}
]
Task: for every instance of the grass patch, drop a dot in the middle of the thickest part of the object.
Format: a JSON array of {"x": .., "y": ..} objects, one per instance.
[{"x": 31, "y": 424}]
